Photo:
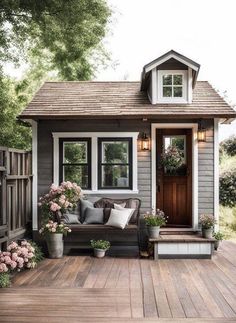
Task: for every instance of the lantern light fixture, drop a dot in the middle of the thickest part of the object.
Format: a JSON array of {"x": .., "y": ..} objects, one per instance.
[
  {"x": 201, "y": 135},
  {"x": 145, "y": 142}
]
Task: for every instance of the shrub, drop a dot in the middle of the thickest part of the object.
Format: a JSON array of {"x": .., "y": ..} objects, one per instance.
[
  {"x": 229, "y": 146},
  {"x": 4, "y": 280},
  {"x": 228, "y": 188},
  {"x": 18, "y": 256}
]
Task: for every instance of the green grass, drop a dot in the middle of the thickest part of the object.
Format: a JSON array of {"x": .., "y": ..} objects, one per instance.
[{"x": 228, "y": 222}]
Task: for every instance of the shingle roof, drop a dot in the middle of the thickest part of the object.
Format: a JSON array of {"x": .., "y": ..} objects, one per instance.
[{"x": 119, "y": 100}]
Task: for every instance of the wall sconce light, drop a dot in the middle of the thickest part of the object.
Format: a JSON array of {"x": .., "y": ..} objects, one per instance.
[
  {"x": 145, "y": 142},
  {"x": 201, "y": 134}
]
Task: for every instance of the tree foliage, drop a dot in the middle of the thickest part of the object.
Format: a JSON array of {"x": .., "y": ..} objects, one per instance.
[
  {"x": 56, "y": 39},
  {"x": 71, "y": 32},
  {"x": 228, "y": 188},
  {"x": 229, "y": 146}
]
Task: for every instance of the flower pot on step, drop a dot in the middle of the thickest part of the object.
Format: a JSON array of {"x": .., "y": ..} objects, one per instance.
[
  {"x": 153, "y": 232},
  {"x": 55, "y": 245},
  {"x": 207, "y": 233}
]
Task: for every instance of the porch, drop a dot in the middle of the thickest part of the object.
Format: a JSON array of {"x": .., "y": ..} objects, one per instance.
[{"x": 86, "y": 289}]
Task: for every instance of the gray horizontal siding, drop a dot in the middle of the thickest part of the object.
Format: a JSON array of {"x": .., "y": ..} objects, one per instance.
[
  {"x": 205, "y": 158},
  {"x": 206, "y": 171}
]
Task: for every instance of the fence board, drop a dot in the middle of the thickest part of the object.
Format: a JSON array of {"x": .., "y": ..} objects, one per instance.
[{"x": 15, "y": 193}]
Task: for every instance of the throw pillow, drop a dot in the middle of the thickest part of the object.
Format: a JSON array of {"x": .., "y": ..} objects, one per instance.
[
  {"x": 70, "y": 218},
  {"x": 118, "y": 218},
  {"x": 83, "y": 205},
  {"x": 121, "y": 207},
  {"x": 93, "y": 216}
]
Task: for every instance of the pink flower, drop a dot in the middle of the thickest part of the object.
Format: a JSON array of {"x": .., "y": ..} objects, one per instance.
[
  {"x": 54, "y": 207},
  {"x": 3, "y": 268},
  {"x": 54, "y": 230}
]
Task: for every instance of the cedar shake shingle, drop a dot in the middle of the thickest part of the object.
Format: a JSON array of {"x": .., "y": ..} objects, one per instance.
[{"x": 119, "y": 100}]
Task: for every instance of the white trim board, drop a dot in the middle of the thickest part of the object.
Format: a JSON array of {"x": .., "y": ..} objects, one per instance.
[
  {"x": 216, "y": 172},
  {"x": 94, "y": 147},
  {"x": 166, "y": 58},
  {"x": 35, "y": 175},
  {"x": 194, "y": 127}
]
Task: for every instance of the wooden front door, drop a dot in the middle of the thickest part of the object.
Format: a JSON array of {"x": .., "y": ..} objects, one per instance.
[{"x": 174, "y": 188}]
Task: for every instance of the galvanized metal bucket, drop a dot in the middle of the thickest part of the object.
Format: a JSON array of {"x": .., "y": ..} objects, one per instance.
[{"x": 55, "y": 245}]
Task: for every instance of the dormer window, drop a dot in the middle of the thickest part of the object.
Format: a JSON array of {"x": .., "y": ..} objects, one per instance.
[
  {"x": 170, "y": 79},
  {"x": 172, "y": 86}
]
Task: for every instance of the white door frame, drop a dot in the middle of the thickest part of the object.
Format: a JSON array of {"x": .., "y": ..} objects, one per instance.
[{"x": 194, "y": 127}]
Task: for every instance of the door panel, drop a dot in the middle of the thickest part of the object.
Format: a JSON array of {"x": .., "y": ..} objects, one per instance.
[{"x": 174, "y": 192}]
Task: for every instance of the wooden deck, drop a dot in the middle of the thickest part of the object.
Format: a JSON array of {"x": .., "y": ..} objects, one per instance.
[{"x": 85, "y": 289}]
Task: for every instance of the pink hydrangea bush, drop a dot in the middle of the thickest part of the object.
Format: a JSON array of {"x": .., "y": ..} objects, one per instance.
[
  {"x": 17, "y": 257},
  {"x": 60, "y": 198},
  {"x": 54, "y": 227}
]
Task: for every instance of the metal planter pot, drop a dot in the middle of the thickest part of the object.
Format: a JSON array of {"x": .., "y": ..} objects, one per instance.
[
  {"x": 55, "y": 245},
  {"x": 217, "y": 244},
  {"x": 99, "y": 253},
  {"x": 153, "y": 232},
  {"x": 207, "y": 233}
]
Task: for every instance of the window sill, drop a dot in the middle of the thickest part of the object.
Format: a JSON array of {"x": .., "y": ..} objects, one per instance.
[{"x": 110, "y": 191}]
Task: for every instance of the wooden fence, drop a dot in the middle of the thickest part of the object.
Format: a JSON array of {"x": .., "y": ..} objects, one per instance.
[{"x": 15, "y": 193}]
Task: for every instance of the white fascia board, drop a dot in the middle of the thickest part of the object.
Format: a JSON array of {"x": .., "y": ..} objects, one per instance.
[{"x": 163, "y": 60}]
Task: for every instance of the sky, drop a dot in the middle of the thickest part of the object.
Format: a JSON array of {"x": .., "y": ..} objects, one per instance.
[{"x": 203, "y": 30}]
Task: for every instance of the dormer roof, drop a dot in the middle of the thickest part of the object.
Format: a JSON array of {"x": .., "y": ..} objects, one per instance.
[{"x": 168, "y": 59}]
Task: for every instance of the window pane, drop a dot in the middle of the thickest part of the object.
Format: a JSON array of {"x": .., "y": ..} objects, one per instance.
[
  {"x": 178, "y": 79},
  {"x": 75, "y": 152},
  {"x": 178, "y": 92},
  {"x": 167, "y": 79},
  {"x": 178, "y": 142},
  {"x": 115, "y": 176},
  {"x": 167, "y": 91},
  {"x": 76, "y": 174},
  {"x": 115, "y": 152}
]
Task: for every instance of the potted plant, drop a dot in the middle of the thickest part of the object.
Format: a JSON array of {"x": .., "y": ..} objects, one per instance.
[
  {"x": 100, "y": 247},
  {"x": 207, "y": 221},
  {"x": 53, "y": 233},
  {"x": 172, "y": 160},
  {"x": 154, "y": 221},
  {"x": 218, "y": 237}
]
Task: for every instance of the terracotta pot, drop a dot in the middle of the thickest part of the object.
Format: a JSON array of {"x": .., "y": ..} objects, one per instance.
[
  {"x": 55, "y": 245},
  {"x": 207, "y": 233},
  {"x": 99, "y": 253},
  {"x": 153, "y": 232}
]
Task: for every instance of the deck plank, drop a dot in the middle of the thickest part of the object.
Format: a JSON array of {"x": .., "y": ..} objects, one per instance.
[{"x": 86, "y": 289}]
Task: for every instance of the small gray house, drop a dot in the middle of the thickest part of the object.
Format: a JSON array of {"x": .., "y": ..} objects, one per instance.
[{"x": 138, "y": 121}]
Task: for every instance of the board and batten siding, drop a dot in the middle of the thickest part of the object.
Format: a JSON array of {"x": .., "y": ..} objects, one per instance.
[{"x": 205, "y": 158}]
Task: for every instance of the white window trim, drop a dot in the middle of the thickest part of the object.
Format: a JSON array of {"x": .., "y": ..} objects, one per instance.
[
  {"x": 94, "y": 167},
  {"x": 160, "y": 97},
  {"x": 194, "y": 127}
]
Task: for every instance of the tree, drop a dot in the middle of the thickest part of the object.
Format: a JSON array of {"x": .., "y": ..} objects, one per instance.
[
  {"x": 68, "y": 32},
  {"x": 57, "y": 39}
]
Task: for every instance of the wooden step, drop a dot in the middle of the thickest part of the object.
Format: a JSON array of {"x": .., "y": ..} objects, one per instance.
[{"x": 182, "y": 246}]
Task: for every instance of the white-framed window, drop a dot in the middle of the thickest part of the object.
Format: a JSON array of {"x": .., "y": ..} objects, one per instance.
[
  {"x": 80, "y": 154},
  {"x": 172, "y": 86}
]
